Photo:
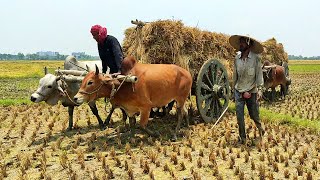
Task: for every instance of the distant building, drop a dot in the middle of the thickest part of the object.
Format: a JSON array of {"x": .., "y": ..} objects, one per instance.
[
  {"x": 78, "y": 54},
  {"x": 47, "y": 53}
]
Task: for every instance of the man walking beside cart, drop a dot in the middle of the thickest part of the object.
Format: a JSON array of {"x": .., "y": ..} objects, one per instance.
[{"x": 248, "y": 81}]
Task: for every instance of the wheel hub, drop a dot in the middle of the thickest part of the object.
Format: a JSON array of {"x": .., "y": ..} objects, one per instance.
[{"x": 217, "y": 91}]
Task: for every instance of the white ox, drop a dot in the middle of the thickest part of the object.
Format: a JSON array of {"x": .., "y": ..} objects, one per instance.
[{"x": 52, "y": 89}]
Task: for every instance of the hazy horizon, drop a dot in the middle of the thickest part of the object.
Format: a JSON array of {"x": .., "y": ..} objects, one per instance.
[{"x": 64, "y": 26}]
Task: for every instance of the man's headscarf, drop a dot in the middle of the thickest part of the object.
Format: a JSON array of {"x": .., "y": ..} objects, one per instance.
[{"x": 101, "y": 31}]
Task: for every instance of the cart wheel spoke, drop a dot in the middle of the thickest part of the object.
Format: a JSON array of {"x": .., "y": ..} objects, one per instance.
[
  {"x": 208, "y": 79},
  {"x": 212, "y": 90},
  {"x": 221, "y": 77},
  {"x": 207, "y": 105},
  {"x": 213, "y": 69},
  {"x": 205, "y": 97},
  {"x": 205, "y": 86}
]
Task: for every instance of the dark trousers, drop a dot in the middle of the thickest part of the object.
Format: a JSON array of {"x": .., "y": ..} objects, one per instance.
[{"x": 253, "y": 108}]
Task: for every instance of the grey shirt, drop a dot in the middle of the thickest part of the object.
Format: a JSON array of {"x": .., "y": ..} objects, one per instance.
[{"x": 247, "y": 73}]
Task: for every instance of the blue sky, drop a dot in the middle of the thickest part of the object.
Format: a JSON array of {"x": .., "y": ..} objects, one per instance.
[{"x": 64, "y": 25}]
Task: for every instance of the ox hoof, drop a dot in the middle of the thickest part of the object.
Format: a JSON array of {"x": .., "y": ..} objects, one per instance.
[
  {"x": 156, "y": 134},
  {"x": 132, "y": 131},
  {"x": 106, "y": 123},
  {"x": 103, "y": 127},
  {"x": 174, "y": 138}
]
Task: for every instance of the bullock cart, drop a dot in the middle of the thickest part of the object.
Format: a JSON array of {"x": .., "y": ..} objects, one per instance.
[
  {"x": 210, "y": 80},
  {"x": 211, "y": 87}
]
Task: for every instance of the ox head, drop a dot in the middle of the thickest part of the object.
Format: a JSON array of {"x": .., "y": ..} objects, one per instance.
[
  {"x": 49, "y": 90},
  {"x": 94, "y": 86},
  {"x": 269, "y": 71}
]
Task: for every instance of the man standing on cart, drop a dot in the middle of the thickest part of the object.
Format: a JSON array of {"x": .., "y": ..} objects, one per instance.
[{"x": 247, "y": 81}]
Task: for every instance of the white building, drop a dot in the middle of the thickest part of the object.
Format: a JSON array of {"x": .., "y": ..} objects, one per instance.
[
  {"x": 47, "y": 53},
  {"x": 78, "y": 54}
]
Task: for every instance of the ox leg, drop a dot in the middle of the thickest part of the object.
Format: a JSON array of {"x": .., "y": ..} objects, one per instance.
[
  {"x": 107, "y": 121},
  {"x": 284, "y": 90},
  {"x": 144, "y": 117},
  {"x": 181, "y": 113},
  {"x": 132, "y": 122},
  {"x": 152, "y": 113},
  {"x": 273, "y": 94},
  {"x": 169, "y": 108},
  {"x": 94, "y": 110},
  {"x": 70, "y": 112},
  {"x": 124, "y": 116}
]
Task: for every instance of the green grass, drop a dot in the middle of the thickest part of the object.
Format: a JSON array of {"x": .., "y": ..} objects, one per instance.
[
  {"x": 281, "y": 119},
  {"x": 17, "y": 88},
  {"x": 27, "y": 69},
  {"x": 270, "y": 116},
  {"x": 8, "y": 102},
  {"x": 304, "y": 68}
]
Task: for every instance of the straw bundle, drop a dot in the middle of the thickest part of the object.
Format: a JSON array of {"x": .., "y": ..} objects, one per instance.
[
  {"x": 170, "y": 42},
  {"x": 274, "y": 52}
]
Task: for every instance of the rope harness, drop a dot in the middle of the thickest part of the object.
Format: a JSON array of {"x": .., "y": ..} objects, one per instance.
[
  {"x": 64, "y": 88},
  {"x": 268, "y": 71},
  {"x": 45, "y": 97},
  {"x": 114, "y": 90}
]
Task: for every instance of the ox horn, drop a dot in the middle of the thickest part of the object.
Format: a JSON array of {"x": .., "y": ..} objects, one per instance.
[
  {"x": 58, "y": 78},
  {"x": 61, "y": 91},
  {"x": 97, "y": 70},
  {"x": 87, "y": 68},
  {"x": 45, "y": 70},
  {"x": 268, "y": 67}
]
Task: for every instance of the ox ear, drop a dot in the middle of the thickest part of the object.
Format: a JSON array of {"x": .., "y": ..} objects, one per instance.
[{"x": 97, "y": 70}]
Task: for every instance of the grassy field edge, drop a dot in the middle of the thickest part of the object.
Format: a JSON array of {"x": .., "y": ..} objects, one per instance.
[
  {"x": 283, "y": 119},
  {"x": 14, "y": 102}
]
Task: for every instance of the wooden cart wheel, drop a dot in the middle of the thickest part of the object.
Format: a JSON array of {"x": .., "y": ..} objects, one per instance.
[{"x": 212, "y": 90}]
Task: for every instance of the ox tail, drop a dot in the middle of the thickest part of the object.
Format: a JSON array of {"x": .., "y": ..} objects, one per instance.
[{"x": 190, "y": 110}]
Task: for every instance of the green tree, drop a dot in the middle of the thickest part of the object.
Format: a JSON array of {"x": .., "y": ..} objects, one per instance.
[{"x": 20, "y": 56}]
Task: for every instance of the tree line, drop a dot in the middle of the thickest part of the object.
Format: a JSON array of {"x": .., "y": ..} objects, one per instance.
[
  {"x": 293, "y": 57},
  {"x": 34, "y": 56}
]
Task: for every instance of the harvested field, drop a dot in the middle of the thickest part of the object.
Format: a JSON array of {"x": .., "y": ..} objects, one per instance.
[{"x": 34, "y": 142}]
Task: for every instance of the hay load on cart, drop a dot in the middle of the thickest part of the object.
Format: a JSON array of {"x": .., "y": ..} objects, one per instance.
[
  {"x": 274, "y": 52},
  {"x": 171, "y": 42}
]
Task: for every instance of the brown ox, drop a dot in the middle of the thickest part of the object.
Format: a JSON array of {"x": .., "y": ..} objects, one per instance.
[
  {"x": 158, "y": 85},
  {"x": 273, "y": 76}
]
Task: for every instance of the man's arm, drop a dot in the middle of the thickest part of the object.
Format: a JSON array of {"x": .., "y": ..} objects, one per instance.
[
  {"x": 259, "y": 77},
  {"x": 104, "y": 63},
  {"x": 235, "y": 76},
  {"x": 104, "y": 66},
  {"x": 117, "y": 51}
]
